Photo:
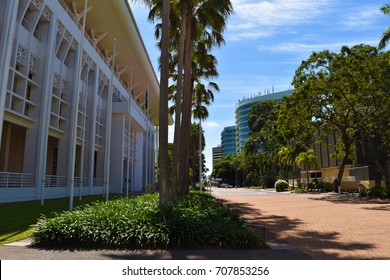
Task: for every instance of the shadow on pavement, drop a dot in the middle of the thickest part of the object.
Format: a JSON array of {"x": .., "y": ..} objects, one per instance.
[
  {"x": 318, "y": 245},
  {"x": 349, "y": 199}
]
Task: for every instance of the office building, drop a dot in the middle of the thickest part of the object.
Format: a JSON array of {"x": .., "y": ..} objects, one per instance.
[
  {"x": 217, "y": 153},
  {"x": 242, "y": 111},
  {"x": 228, "y": 140}
]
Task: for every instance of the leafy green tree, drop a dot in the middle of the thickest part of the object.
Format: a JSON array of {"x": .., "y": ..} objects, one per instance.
[
  {"x": 260, "y": 169},
  {"x": 225, "y": 169},
  {"x": 345, "y": 93},
  {"x": 262, "y": 121},
  {"x": 322, "y": 98},
  {"x": 263, "y": 143},
  {"x": 386, "y": 34},
  {"x": 371, "y": 71}
]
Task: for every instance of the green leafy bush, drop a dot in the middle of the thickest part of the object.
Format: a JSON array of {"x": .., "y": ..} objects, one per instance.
[
  {"x": 326, "y": 186},
  {"x": 300, "y": 190},
  {"x": 132, "y": 223},
  {"x": 281, "y": 185},
  {"x": 321, "y": 185},
  {"x": 375, "y": 192}
]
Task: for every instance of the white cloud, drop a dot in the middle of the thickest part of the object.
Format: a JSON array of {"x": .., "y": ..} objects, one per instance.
[
  {"x": 223, "y": 106},
  {"x": 255, "y": 19},
  {"x": 212, "y": 124},
  {"x": 292, "y": 47},
  {"x": 362, "y": 19}
]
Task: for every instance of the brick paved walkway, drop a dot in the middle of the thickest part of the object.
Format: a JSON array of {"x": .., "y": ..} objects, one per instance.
[{"x": 324, "y": 226}]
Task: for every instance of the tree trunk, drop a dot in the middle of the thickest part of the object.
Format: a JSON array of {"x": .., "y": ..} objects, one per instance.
[
  {"x": 347, "y": 144},
  {"x": 165, "y": 197},
  {"x": 179, "y": 99},
  {"x": 186, "y": 109}
]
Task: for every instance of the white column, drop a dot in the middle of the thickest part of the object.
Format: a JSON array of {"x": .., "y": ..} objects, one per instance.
[
  {"x": 75, "y": 112},
  {"x": 118, "y": 125},
  {"x": 128, "y": 135},
  {"x": 43, "y": 127},
  {"x": 139, "y": 163},
  {"x": 92, "y": 126},
  {"x": 7, "y": 33},
  {"x": 107, "y": 138}
]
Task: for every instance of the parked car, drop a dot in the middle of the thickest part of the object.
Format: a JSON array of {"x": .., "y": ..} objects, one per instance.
[{"x": 224, "y": 185}]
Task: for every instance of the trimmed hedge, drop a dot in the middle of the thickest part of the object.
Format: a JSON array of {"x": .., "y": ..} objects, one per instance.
[{"x": 281, "y": 185}]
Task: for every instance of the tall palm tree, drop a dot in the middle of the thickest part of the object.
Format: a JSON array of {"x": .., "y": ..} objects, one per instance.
[
  {"x": 207, "y": 16},
  {"x": 385, "y": 35},
  {"x": 307, "y": 160},
  {"x": 163, "y": 176},
  {"x": 196, "y": 17},
  {"x": 165, "y": 196}
]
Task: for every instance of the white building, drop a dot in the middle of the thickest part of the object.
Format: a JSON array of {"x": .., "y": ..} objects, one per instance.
[{"x": 68, "y": 123}]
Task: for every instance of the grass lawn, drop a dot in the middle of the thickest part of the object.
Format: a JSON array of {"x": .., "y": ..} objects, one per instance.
[{"x": 17, "y": 218}]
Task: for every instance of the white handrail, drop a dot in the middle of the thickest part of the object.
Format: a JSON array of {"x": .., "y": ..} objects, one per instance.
[{"x": 16, "y": 180}]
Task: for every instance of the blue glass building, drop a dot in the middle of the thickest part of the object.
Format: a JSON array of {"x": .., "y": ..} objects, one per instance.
[
  {"x": 228, "y": 140},
  {"x": 242, "y": 111}
]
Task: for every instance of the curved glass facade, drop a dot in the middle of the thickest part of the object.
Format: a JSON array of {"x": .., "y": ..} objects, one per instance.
[{"x": 242, "y": 111}]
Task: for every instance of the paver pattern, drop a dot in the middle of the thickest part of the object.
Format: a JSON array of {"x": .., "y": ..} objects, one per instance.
[{"x": 324, "y": 226}]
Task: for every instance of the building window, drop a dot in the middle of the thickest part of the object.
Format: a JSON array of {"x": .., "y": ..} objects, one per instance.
[{"x": 55, "y": 160}]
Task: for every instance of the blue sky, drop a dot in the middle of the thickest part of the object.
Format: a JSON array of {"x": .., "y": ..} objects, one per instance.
[{"x": 267, "y": 40}]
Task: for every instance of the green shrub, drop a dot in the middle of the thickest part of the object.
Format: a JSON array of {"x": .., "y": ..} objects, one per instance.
[
  {"x": 299, "y": 190},
  {"x": 132, "y": 223},
  {"x": 326, "y": 186},
  {"x": 375, "y": 192},
  {"x": 281, "y": 185},
  {"x": 321, "y": 185}
]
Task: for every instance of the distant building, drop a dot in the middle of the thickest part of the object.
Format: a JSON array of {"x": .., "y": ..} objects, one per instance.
[
  {"x": 217, "y": 153},
  {"x": 228, "y": 140},
  {"x": 242, "y": 111}
]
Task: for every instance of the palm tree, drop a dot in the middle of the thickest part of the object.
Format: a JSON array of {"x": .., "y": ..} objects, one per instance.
[
  {"x": 385, "y": 35},
  {"x": 306, "y": 160},
  {"x": 165, "y": 197},
  {"x": 163, "y": 177},
  {"x": 196, "y": 20}
]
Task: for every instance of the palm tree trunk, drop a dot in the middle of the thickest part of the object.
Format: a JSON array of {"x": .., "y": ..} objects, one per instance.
[
  {"x": 165, "y": 197},
  {"x": 179, "y": 96},
  {"x": 200, "y": 154},
  {"x": 186, "y": 108}
]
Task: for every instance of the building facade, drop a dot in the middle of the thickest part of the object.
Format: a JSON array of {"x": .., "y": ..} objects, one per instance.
[
  {"x": 242, "y": 111},
  {"x": 79, "y": 100},
  {"x": 228, "y": 140},
  {"x": 217, "y": 153}
]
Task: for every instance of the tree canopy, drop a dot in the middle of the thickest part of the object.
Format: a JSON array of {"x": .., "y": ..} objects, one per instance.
[{"x": 338, "y": 93}]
